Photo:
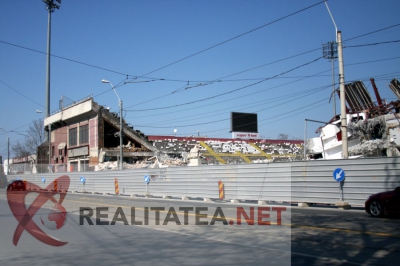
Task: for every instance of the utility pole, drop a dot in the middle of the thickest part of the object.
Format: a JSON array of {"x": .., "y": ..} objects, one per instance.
[
  {"x": 329, "y": 51},
  {"x": 50, "y": 6},
  {"x": 345, "y": 151}
]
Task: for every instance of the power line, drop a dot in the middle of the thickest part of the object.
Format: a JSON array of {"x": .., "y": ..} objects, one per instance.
[
  {"x": 370, "y": 44},
  {"x": 64, "y": 58},
  {"x": 225, "y": 119},
  {"x": 225, "y": 93},
  {"x": 164, "y": 79},
  {"x": 160, "y": 79},
  {"x": 219, "y": 102},
  {"x": 289, "y": 112},
  {"x": 221, "y": 78},
  {"x": 253, "y": 104},
  {"x": 239, "y": 97},
  {"x": 365, "y": 34},
  {"x": 8, "y": 86},
  {"x": 233, "y": 38}
]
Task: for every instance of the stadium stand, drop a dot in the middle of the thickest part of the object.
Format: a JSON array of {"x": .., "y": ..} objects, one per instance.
[{"x": 229, "y": 151}]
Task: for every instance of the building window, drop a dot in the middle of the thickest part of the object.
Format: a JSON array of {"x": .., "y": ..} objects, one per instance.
[
  {"x": 72, "y": 136},
  {"x": 84, "y": 134},
  {"x": 84, "y": 165},
  {"x": 73, "y": 167}
]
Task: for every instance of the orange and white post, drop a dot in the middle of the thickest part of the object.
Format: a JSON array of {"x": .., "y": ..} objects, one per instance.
[
  {"x": 116, "y": 186},
  {"x": 55, "y": 185},
  {"x": 221, "y": 190}
]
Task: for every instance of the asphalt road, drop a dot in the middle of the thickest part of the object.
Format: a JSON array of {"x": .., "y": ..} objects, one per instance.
[{"x": 301, "y": 236}]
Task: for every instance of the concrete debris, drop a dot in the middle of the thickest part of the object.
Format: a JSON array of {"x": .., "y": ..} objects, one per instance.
[
  {"x": 261, "y": 161},
  {"x": 113, "y": 165},
  {"x": 165, "y": 160},
  {"x": 368, "y": 147},
  {"x": 372, "y": 133},
  {"x": 173, "y": 162},
  {"x": 365, "y": 130}
]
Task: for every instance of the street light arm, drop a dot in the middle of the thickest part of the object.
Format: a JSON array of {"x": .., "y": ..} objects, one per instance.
[
  {"x": 115, "y": 92},
  {"x": 113, "y": 88},
  {"x": 330, "y": 14}
]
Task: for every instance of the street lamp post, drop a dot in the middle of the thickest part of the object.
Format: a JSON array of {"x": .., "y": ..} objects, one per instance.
[
  {"x": 345, "y": 150},
  {"x": 121, "y": 151}
]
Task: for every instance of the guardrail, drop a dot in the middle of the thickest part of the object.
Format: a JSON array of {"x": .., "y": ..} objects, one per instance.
[{"x": 303, "y": 182}]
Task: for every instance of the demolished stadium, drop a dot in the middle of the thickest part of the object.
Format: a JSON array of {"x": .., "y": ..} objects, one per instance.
[{"x": 373, "y": 127}]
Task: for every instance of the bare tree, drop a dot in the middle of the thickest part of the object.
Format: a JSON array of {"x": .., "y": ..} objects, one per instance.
[
  {"x": 34, "y": 138},
  {"x": 283, "y": 136}
]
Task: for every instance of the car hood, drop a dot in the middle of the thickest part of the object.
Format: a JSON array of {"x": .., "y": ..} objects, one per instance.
[{"x": 382, "y": 194}]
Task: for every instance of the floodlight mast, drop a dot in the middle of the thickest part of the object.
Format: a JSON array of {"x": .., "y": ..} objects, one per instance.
[{"x": 51, "y": 5}]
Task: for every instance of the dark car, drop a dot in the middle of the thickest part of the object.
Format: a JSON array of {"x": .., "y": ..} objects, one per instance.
[
  {"x": 16, "y": 185},
  {"x": 384, "y": 203}
]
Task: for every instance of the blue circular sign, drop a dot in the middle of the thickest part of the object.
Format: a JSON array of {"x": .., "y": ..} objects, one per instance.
[
  {"x": 18, "y": 178},
  {"x": 43, "y": 179},
  {"x": 82, "y": 179},
  {"x": 338, "y": 175},
  {"x": 147, "y": 179}
]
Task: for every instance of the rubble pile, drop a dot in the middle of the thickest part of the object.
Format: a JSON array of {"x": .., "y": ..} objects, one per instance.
[
  {"x": 372, "y": 134},
  {"x": 113, "y": 165},
  {"x": 261, "y": 161},
  {"x": 174, "y": 162},
  {"x": 368, "y": 147},
  {"x": 165, "y": 160},
  {"x": 365, "y": 130}
]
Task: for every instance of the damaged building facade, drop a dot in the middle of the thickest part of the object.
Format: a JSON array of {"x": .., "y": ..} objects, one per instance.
[
  {"x": 85, "y": 134},
  {"x": 373, "y": 127}
]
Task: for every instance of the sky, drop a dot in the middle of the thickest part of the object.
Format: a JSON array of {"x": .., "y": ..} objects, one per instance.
[{"x": 186, "y": 65}]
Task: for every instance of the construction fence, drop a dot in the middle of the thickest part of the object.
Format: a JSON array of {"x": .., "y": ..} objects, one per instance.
[{"x": 305, "y": 181}]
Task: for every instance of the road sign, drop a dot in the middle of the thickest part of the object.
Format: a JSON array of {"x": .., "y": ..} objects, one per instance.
[
  {"x": 338, "y": 175},
  {"x": 43, "y": 179},
  {"x": 82, "y": 179},
  {"x": 18, "y": 178},
  {"x": 147, "y": 179}
]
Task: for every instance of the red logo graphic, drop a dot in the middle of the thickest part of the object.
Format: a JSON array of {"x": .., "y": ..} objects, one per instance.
[{"x": 54, "y": 220}]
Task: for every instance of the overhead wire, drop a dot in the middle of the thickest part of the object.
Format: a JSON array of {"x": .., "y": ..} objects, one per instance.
[
  {"x": 365, "y": 62},
  {"x": 372, "y": 32},
  {"x": 233, "y": 38},
  {"x": 371, "y": 44},
  {"x": 220, "y": 120},
  {"x": 291, "y": 111},
  {"x": 253, "y": 104},
  {"x": 225, "y": 93},
  {"x": 8, "y": 86},
  {"x": 105, "y": 69}
]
